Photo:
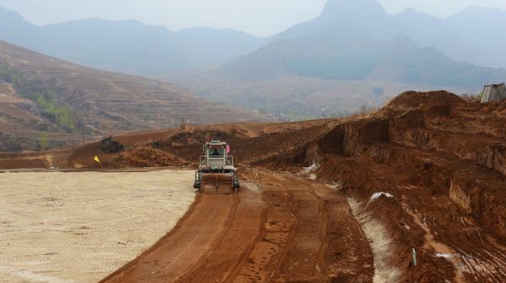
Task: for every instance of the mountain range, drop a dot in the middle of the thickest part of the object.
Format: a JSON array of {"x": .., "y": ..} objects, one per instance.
[
  {"x": 128, "y": 46},
  {"x": 47, "y": 102},
  {"x": 473, "y": 36},
  {"x": 359, "y": 40},
  {"x": 357, "y": 56},
  {"x": 353, "y": 55}
]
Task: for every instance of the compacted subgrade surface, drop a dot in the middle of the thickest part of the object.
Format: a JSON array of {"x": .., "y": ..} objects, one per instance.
[
  {"x": 81, "y": 226},
  {"x": 241, "y": 231},
  {"x": 284, "y": 229},
  {"x": 309, "y": 235},
  {"x": 182, "y": 248}
]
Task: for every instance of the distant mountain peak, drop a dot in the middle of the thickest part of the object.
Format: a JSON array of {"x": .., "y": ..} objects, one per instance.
[
  {"x": 413, "y": 12},
  {"x": 7, "y": 15},
  {"x": 480, "y": 11},
  {"x": 353, "y": 9}
]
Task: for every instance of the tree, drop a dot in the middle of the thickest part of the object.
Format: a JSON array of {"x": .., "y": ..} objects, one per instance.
[{"x": 43, "y": 141}]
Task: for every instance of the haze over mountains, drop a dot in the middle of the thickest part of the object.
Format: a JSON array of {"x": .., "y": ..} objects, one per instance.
[
  {"x": 128, "y": 46},
  {"x": 358, "y": 40},
  {"x": 473, "y": 36},
  {"x": 353, "y": 55}
]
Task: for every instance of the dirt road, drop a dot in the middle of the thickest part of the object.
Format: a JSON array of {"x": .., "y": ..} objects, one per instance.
[{"x": 288, "y": 230}]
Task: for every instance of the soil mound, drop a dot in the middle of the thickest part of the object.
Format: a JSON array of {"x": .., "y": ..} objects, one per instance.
[
  {"x": 423, "y": 100},
  {"x": 147, "y": 157},
  {"x": 109, "y": 145}
]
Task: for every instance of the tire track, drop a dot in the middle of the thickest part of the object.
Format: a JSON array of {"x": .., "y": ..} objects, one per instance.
[
  {"x": 182, "y": 248},
  {"x": 322, "y": 265},
  {"x": 293, "y": 230},
  {"x": 237, "y": 240},
  {"x": 266, "y": 255},
  {"x": 302, "y": 260}
]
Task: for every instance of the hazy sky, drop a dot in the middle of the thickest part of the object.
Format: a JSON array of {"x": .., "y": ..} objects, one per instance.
[{"x": 260, "y": 17}]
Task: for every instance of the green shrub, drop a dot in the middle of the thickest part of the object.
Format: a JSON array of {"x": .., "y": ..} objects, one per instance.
[{"x": 59, "y": 114}]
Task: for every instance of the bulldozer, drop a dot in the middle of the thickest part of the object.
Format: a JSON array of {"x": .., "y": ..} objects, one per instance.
[{"x": 216, "y": 172}]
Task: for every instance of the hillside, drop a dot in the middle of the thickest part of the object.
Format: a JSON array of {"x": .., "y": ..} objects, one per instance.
[
  {"x": 46, "y": 102},
  {"x": 426, "y": 172},
  {"x": 128, "y": 46},
  {"x": 357, "y": 41},
  {"x": 293, "y": 98}
]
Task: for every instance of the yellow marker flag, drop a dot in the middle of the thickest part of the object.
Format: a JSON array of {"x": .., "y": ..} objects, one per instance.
[{"x": 97, "y": 159}]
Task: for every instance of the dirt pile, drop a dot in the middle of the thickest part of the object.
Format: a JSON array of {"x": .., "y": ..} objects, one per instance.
[
  {"x": 109, "y": 145},
  {"x": 147, "y": 157},
  {"x": 249, "y": 147}
]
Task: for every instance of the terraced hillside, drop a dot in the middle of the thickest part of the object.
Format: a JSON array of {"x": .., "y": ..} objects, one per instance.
[{"x": 46, "y": 102}]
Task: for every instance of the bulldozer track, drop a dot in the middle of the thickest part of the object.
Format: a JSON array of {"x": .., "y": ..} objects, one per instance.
[
  {"x": 180, "y": 250},
  {"x": 244, "y": 257},
  {"x": 207, "y": 259}
]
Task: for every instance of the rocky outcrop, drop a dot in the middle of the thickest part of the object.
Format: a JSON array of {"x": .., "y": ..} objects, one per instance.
[{"x": 355, "y": 137}]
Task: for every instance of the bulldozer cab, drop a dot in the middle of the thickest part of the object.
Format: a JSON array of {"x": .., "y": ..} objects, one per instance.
[
  {"x": 216, "y": 156},
  {"x": 216, "y": 151},
  {"x": 216, "y": 168}
]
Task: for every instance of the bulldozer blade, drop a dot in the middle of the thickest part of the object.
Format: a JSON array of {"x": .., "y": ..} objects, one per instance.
[{"x": 217, "y": 183}]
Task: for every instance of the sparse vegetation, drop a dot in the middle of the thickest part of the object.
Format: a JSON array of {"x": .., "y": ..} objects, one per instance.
[
  {"x": 9, "y": 75},
  {"x": 43, "y": 141},
  {"x": 15, "y": 144},
  {"x": 45, "y": 97},
  {"x": 73, "y": 104},
  {"x": 60, "y": 114}
]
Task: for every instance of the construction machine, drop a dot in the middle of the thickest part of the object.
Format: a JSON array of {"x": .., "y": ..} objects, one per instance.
[{"x": 216, "y": 172}]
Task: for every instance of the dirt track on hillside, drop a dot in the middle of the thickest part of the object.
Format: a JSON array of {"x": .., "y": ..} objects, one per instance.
[{"x": 292, "y": 231}]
